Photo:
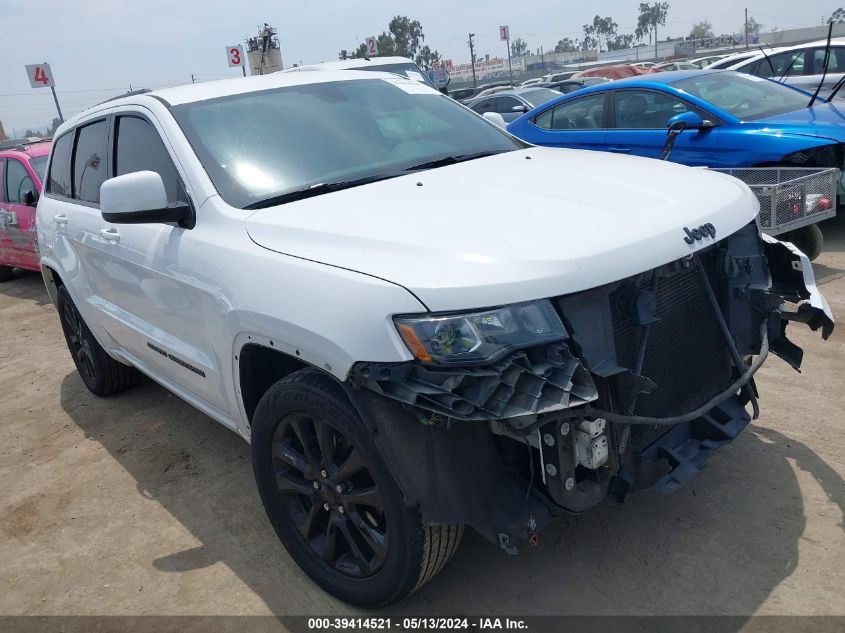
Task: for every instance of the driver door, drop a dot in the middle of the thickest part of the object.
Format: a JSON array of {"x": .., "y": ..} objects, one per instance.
[
  {"x": 18, "y": 242},
  {"x": 638, "y": 127}
]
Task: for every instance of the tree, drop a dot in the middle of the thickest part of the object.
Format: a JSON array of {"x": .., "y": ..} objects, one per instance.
[
  {"x": 754, "y": 27},
  {"x": 701, "y": 30},
  {"x": 519, "y": 47},
  {"x": 620, "y": 42},
  {"x": 837, "y": 16},
  {"x": 426, "y": 57},
  {"x": 403, "y": 37},
  {"x": 597, "y": 34},
  {"x": 566, "y": 45},
  {"x": 651, "y": 16}
]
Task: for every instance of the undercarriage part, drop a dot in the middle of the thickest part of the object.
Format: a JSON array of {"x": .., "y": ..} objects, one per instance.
[
  {"x": 591, "y": 448},
  {"x": 527, "y": 382},
  {"x": 678, "y": 456}
]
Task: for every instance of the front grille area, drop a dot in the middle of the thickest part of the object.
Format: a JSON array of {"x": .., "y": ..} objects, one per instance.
[{"x": 685, "y": 356}]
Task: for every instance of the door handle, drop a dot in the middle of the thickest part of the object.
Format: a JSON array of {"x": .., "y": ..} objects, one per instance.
[
  {"x": 110, "y": 235},
  {"x": 60, "y": 219},
  {"x": 619, "y": 150}
]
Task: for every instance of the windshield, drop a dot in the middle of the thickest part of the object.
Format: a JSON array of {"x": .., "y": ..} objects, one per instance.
[
  {"x": 409, "y": 70},
  {"x": 39, "y": 164},
  {"x": 539, "y": 96},
  {"x": 260, "y": 145},
  {"x": 745, "y": 96}
]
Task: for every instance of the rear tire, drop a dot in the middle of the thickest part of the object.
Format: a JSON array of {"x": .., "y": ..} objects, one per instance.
[
  {"x": 809, "y": 239},
  {"x": 310, "y": 452},
  {"x": 102, "y": 374},
  {"x": 6, "y": 273}
]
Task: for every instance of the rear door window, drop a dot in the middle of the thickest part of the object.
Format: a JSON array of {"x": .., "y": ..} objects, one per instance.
[
  {"x": 585, "y": 113},
  {"x": 89, "y": 161},
  {"x": 59, "y": 182}
]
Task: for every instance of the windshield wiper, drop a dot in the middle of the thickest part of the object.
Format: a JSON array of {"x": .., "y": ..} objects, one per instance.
[
  {"x": 451, "y": 160},
  {"x": 316, "y": 190}
]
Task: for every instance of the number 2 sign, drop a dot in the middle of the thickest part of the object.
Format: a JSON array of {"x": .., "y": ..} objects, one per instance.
[
  {"x": 235, "y": 55},
  {"x": 372, "y": 46},
  {"x": 40, "y": 75}
]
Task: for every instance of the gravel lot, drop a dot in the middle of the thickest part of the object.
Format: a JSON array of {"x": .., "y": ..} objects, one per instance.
[{"x": 138, "y": 504}]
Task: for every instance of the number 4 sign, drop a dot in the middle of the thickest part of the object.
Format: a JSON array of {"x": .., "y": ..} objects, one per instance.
[{"x": 40, "y": 75}]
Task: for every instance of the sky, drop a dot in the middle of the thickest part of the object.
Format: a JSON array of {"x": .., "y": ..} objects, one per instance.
[{"x": 100, "y": 49}]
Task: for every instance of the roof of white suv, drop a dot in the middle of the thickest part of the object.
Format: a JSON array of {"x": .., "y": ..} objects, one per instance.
[
  {"x": 190, "y": 93},
  {"x": 352, "y": 64}
]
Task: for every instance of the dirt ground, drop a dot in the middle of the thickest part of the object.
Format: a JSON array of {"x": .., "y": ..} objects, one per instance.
[{"x": 138, "y": 504}]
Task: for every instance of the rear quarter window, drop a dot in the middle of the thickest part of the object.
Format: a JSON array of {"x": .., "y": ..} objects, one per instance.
[{"x": 58, "y": 182}]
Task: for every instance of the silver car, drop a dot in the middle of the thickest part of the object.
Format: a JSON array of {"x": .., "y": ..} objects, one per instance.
[{"x": 512, "y": 104}]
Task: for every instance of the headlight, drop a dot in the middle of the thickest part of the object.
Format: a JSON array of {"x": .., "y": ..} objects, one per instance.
[{"x": 475, "y": 337}]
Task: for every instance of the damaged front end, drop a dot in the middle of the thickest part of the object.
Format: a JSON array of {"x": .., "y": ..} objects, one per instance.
[{"x": 645, "y": 379}]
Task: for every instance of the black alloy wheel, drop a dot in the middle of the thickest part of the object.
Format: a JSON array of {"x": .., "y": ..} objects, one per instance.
[
  {"x": 332, "y": 499},
  {"x": 101, "y": 373},
  {"x": 80, "y": 348},
  {"x": 330, "y": 494}
]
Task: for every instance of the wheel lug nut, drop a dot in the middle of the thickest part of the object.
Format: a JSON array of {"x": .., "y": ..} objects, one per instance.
[
  {"x": 338, "y": 488},
  {"x": 340, "y": 509},
  {"x": 316, "y": 485},
  {"x": 326, "y": 506},
  {"x": 324, "y": 474}
]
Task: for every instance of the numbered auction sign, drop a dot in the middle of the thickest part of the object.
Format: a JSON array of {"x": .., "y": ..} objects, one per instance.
[
  {"x": 372, "y": 46},
  {"x": 504, "y": 33},
  {"x": 235, "y": 54},
  {"x": 40, "y": 75}
]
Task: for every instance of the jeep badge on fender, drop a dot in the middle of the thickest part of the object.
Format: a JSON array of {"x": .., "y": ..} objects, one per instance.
[{"x": 700, "y": 233}]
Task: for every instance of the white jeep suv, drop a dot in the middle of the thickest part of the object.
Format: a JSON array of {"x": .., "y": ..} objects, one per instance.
[{"x": 418, "y": 321}]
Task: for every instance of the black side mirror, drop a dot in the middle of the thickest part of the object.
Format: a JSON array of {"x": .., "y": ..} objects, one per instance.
[{"x": 30, "y": 198}]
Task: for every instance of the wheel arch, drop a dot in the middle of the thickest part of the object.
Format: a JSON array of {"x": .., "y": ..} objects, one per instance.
[
  {"x": 259, "y": 366},
  {"x": 52, "y": 281}
]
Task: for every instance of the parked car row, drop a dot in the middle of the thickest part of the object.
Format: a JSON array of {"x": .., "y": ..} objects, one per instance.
[{"x": 733, "y": 120}]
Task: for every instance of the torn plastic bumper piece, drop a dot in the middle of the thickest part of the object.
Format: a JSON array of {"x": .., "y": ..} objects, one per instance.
[
  {"x": 679, "y": 455},
  {"x": 793, "y": 280},
  {"x": 531, "y": 381}
]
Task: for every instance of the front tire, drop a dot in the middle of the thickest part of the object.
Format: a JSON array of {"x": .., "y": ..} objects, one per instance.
[
  {"x": 100, "y": 372},
  {"x": 332, "y": 500},
  {"x": 6, "y": 273},
  {"x": 809, "y": 240}
]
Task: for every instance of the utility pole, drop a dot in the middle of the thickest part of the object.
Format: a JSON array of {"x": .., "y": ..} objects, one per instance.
[
  {"x": 746, "y": 28},
  {"x": 472, "y": 59}
]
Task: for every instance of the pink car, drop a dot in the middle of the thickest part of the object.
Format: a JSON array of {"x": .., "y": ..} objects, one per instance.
[{"x": 22, "y": 165}]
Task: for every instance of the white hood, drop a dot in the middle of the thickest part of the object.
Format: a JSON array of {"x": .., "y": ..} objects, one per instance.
[{"x": 523, "y": 225}]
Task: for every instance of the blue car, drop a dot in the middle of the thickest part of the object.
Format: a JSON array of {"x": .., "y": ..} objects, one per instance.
[
  {"x": 742, "y": 121},
  {"x": 732, "y": 120}
]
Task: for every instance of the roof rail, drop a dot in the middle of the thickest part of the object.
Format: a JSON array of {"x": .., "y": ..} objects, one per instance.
[
  {"x": 21, "y": 143},
  {"x": 129, "y": 93}
]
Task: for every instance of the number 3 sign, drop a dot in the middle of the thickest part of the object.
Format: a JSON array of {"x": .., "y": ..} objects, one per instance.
[
  {"x": 235, "y": 55},
  {"x": 40, "y": 75}
]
